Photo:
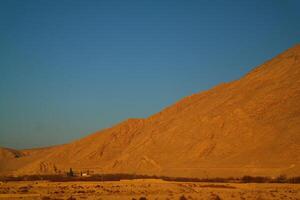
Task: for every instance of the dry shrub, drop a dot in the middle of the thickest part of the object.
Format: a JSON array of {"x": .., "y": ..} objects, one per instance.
[
  {"x": 255, "y": 179},
  {"x": 24, "y": 189},
  {"x": 218, "y": 186},
  {"x": 182, "y": 197},
  {"x": 215, "y": 197},
  {"x": 46, "y": 198}
]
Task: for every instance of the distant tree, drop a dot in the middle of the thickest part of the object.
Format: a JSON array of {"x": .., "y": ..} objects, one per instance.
[
  {"x": 281, "y": 179},
  {"x": 294, "y": 180},
  {"x": 71, "y": 173}
]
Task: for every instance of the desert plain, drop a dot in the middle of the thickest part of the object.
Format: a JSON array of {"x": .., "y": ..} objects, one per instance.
[{"x": 141, "y": 189}]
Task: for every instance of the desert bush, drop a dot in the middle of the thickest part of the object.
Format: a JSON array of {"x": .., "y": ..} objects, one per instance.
[
  {"x": 281, "y": 179},
  {"x": 215, "y": 197},
  {"x": 294, "y": 179},
  {"x": 24, "y": 190},
  {"x": 255, "y": 179},
  {"x": 182, "y": 197},
  {"x": 46, "y": 198},
  {"x": 218, "y": 186}
]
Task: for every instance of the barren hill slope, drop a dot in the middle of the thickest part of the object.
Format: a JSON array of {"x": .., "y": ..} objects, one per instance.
[
  {"x": 250, "y": 126},
  {"x": 6, "y": 153}
]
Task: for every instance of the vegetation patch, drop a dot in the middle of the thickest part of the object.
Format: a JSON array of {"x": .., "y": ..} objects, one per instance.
[
  {"x": 218, "y": 186},
  {"x": 118, "y": 177}
]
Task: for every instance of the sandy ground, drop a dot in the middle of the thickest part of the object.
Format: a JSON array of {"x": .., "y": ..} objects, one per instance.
[{"x": 146, "y": 189}]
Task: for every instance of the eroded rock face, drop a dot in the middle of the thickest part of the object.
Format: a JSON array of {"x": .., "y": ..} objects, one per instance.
[
  {"x": 250, "y": 126},
  {"x": 6, "y": 153}
]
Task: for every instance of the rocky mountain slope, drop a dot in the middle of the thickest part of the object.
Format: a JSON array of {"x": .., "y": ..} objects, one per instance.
[{"x": 250, "y": 126}]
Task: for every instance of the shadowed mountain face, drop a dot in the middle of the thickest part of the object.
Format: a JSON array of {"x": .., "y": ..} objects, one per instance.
[{"x": 250, "y": 126}]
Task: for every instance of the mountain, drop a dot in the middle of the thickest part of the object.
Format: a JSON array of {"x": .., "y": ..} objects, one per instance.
[{"x": 250, "y": 126}]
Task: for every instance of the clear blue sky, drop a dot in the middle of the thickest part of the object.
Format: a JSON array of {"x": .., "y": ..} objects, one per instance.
[{"x": 69, "y": 68}]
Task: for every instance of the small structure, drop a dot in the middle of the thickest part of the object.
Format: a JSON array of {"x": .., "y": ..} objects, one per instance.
[
  {"x": 83, "y": 173},
  {"x": 86, "y": 173}
]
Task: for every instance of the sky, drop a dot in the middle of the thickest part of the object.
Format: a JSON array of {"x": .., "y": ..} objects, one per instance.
[{"x": 72, "y": 67}]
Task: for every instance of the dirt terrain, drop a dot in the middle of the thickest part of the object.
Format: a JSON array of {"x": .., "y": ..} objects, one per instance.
[{"x": 149, "y": 189}]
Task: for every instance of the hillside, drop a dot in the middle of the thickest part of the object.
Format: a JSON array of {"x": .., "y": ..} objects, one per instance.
[{"x": 249, "y": 126}]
